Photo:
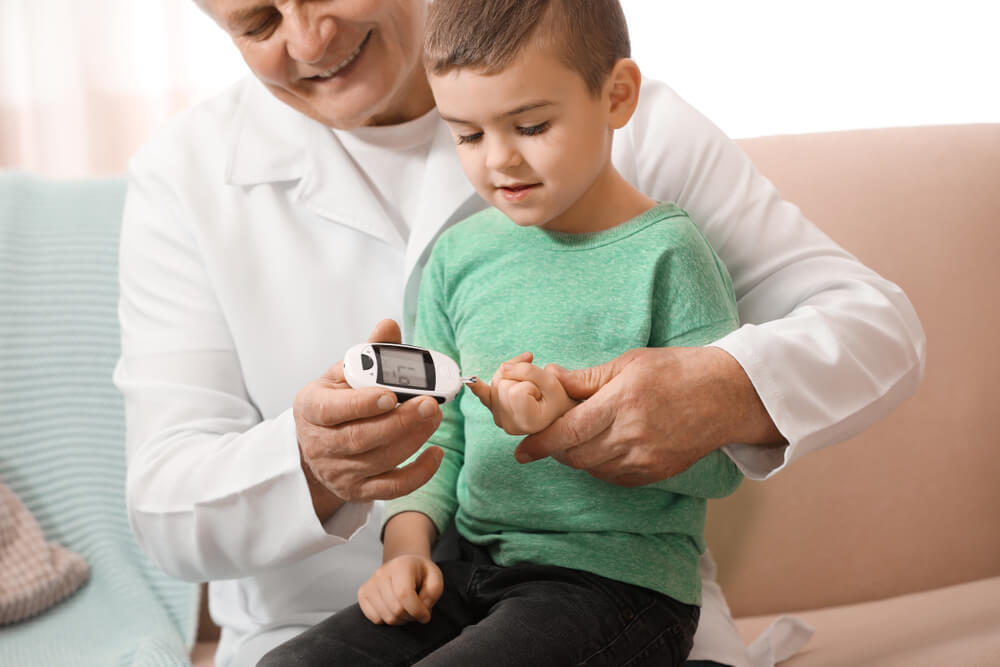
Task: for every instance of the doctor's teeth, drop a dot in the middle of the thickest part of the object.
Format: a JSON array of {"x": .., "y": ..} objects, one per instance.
[{"x": 342, "y": 64}]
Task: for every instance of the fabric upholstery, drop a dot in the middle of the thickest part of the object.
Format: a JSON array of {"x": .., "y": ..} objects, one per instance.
[
  {"x": 954, "y": 626},
  {"x": 911, "y": 504},
  {"x": 62, "y": 429}
]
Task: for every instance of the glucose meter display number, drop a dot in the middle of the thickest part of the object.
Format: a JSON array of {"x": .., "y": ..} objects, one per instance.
[{"x": 403, "y": 368}]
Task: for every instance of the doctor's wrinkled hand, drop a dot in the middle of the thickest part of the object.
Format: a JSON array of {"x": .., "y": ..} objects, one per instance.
[
  {"x": 352, "y": 441},
  {"x": 652, "y": 413}
]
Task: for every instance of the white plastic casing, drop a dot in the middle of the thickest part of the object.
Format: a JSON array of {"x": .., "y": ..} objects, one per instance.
[{"x": 363, "y": 367}]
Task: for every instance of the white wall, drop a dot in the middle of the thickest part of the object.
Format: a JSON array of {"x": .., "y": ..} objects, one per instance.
[{"x": 776, "y": 66}]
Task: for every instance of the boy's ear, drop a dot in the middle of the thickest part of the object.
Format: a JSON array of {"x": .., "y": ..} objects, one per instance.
[{"x": 622, "y": 89}]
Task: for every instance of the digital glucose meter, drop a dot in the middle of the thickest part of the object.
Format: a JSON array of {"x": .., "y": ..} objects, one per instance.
[{"x": 407, "y": 370}]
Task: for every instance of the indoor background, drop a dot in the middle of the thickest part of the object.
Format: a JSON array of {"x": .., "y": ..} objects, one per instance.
[{"x": 83, "y": 82}]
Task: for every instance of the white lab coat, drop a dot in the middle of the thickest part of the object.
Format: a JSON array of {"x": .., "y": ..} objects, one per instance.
[{"x": 253, "y": 255}]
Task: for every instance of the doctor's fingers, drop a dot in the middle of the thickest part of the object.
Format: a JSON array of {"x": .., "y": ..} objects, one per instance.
[
  {"x": 402, "y": 481},
  {"x": 407, "y": 426},
  {"x": 386, "y": 331},
  {"x": 584, "y": 424},
  {"x": 358, "y": 481},
  {"x": 358, "y": 460},
  {"x": 325, "y": 404},
  {"x": 601, "y": 457},
  {"x": 627, "y": 455}
]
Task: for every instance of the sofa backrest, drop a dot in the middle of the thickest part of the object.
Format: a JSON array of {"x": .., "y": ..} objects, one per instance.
[
  {"x": 913, "y": 503},
  {"x": 62, "y": 429}
]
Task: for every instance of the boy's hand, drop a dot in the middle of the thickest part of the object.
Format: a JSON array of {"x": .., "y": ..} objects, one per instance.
[
  {"x": 523, "y": 398},
  {"x": 403, "y": 590}
]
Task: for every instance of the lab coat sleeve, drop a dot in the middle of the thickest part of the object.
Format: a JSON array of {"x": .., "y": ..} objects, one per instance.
[
  {"x": 213, "y": 490},
  {"x": 830, "y": 346}
]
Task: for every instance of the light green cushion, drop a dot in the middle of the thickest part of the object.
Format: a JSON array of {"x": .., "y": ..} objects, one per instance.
[{"x": 62, "y": 428}]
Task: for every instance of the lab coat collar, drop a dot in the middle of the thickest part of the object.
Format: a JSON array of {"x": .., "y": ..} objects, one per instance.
[
  {"x": 273, "y": 143},
  {"x": 268, "y": 144}
]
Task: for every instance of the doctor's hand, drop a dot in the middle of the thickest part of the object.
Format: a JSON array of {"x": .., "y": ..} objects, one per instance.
[
  {"x": 352, "y": 441},
  {"x": 651, "y": 413},
  {"x": 523, "y": 397}
]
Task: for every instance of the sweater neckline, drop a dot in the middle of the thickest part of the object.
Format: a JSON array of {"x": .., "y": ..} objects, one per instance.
[{"x": 586, "y": 240}]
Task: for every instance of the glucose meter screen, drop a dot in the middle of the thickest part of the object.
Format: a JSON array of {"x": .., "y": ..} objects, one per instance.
[{"x": 403, "y": 368}]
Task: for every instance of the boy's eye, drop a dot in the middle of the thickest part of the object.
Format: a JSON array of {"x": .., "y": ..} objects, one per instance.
[
  {"x": 469, "y": 138},
  {"x": 532, "y": 130}
]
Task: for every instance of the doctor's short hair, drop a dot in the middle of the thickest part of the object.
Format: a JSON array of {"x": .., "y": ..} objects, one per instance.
[{"x": 589, "y": 36}]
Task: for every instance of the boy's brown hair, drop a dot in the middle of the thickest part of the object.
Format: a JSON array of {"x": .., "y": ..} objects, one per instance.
[{"x": 589, "y": 36}]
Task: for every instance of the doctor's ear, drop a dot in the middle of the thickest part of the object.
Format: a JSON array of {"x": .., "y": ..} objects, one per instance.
[{"x": 621, "y": 92}]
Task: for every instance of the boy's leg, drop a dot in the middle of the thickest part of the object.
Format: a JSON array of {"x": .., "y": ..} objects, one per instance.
[
  {"x": 349, "y": 638},
  {"x": 554, "y": 616}
]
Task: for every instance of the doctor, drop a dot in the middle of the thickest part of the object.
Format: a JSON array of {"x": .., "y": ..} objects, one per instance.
[{"x": 271, "y": 228}]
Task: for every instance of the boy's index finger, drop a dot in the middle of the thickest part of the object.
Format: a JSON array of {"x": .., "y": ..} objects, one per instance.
[{"x": 481, "y": 390}]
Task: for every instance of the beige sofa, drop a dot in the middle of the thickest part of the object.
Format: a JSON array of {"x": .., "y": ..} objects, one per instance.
[{"x": 889, "y": 544}]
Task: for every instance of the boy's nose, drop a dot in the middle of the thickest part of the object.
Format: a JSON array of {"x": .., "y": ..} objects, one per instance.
[
  {"x": 309, "y": 29},
  {"x": 501, "y": 155}
]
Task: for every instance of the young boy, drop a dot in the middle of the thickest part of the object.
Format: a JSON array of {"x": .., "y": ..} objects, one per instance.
[{"x": 577, "y": 266}]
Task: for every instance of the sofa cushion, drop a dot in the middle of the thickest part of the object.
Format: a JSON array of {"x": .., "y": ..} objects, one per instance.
[
  {"x": 955, "y": 625},
  {"x": 912, "y": 503},
  {"x": 62, "y": 428}
]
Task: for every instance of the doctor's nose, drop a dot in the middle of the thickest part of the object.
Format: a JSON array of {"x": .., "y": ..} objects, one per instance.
[
  {"x": 309, "y": 29},
  {"x": 501, "y": 154}
]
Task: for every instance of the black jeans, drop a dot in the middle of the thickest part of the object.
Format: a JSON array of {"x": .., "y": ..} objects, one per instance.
[{"x": 492, "y": 616}]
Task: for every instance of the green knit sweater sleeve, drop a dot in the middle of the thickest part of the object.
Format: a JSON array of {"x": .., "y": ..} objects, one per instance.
[
  {"x": 438, "y": 498},
  {"x": 698, "y": 308}
]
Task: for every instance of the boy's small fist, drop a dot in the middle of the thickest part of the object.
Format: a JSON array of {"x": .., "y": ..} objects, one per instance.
[{"x": 401, "y": 591}]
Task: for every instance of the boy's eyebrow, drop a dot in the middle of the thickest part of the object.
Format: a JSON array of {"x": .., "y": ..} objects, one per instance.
[{"x": 506, "y": 114}]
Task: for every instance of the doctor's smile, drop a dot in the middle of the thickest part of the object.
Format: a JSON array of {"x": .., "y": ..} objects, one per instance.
[{"x": 339, "y": 68}]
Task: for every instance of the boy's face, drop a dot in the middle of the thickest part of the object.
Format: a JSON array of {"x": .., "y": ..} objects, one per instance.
[{"x": 532, "y": 139}]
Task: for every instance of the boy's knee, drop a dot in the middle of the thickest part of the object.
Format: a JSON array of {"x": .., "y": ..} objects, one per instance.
[
  {"x": 294, "y": 654},
  {"x": 275, "y": 658}
]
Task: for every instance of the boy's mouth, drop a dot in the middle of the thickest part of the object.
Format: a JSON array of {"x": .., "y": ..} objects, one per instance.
[{"x": 517, "y": 191}]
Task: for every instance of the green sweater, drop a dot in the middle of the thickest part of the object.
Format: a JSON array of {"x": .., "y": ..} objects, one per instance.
[{"x": 491, "y": 290}]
